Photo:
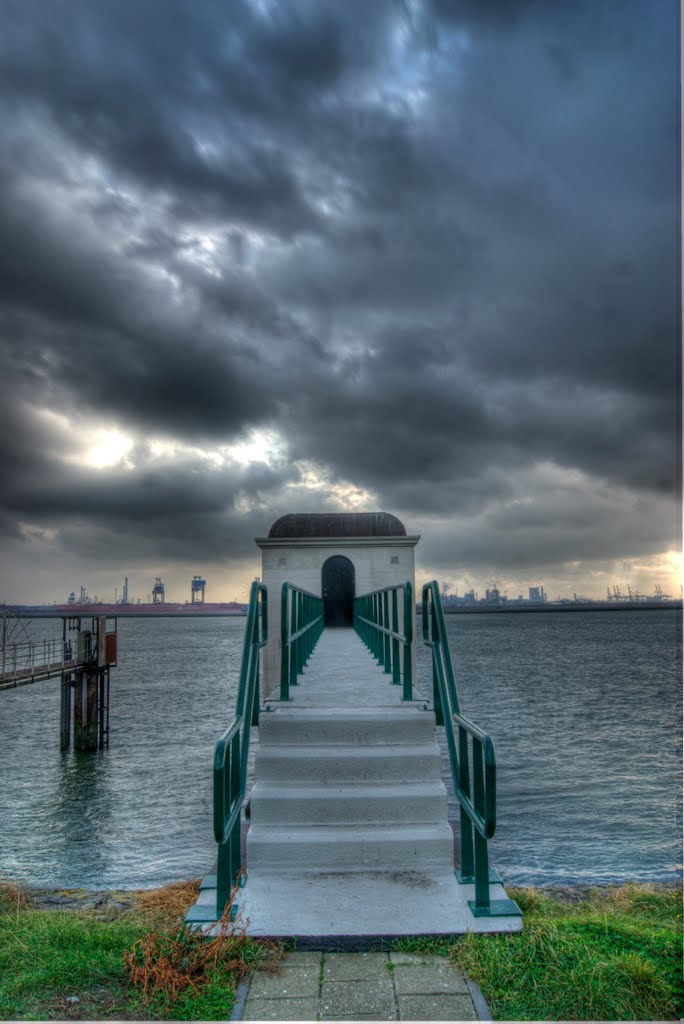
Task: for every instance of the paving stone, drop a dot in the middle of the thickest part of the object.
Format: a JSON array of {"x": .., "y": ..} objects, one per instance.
[
  {"x": 303, "y": 959},
  {"x": 368, "y": 996},
  {"x": 432, "y": 977},
  {"x": 411, "y": 958},
  {"x": 353, "y": 966},
  {"x": 364, "y": 1016},
  {"x": 281, "y": 1009},
  {"x": 295, "y": 983},
  {"x": 436, "y": 1007}
]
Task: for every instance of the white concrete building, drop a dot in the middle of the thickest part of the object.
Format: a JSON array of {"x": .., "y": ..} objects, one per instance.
[{"x": 337, "y": 556}]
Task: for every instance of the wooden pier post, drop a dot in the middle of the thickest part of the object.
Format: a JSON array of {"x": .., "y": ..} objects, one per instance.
[
  {"x": 91, "y": 690},
  {"x": 85, "y": 710},
  {"x": 65, "y": 711}
]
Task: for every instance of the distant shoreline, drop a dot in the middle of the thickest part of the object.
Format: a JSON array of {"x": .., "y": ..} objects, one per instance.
[
  {"x": 598, "y": 606},
  {"x": 93, "y": 610},
  {"x": 85, "y": 611}
]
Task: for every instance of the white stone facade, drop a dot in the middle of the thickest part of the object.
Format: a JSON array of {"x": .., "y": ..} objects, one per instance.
[{"x": 378, "y": 562}]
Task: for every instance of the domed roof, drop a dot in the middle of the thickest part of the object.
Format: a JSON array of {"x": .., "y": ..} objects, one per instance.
[{"x": 338, "y": 524}]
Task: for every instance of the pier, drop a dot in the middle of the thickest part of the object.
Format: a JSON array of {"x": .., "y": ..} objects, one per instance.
[
  {"x": 82, "y": 659},
  {"x": 348, "y": 842}
]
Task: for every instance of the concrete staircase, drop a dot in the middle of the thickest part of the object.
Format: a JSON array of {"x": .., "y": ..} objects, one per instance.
[
  {"x": 342, "y": 790},
  {"x": 349, "y": 834}
]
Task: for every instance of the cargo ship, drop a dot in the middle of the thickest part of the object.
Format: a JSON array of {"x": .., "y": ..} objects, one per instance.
[{"x": 165, "y": 610}]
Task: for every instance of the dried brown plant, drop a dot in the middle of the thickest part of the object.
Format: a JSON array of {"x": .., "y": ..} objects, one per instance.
[
  {"x": 170, "y": 902},
  {"x": 13, "y": 897},
  {"x": 160, "y": 964}
]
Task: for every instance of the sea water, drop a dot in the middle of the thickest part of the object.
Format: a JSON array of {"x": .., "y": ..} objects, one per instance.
[{"x": 584, "y": 708}]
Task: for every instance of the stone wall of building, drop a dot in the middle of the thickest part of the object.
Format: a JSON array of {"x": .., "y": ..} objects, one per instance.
[{"x": 378, "y": 562}]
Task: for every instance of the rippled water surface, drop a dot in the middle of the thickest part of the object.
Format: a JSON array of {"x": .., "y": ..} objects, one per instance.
[{"x": 584, "y": 708}]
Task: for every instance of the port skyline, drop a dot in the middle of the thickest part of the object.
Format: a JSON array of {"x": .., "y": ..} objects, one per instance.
[{"x": 495, "y": 597}]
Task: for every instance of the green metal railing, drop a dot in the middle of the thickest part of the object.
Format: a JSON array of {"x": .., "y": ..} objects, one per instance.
[
  {"x": 301, "y": 624},
  {"x": 232, "y": 751},
  {"x": 473, "y": 766},
  {"x": 377, "y": 621}
]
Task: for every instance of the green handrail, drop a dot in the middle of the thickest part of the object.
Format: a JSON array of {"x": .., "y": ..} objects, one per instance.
[
  {"x": 473, "y": 766},
  {"x": 232, "y": 751},
  {"x": 301, "y": 624},
  {"x": 376, "y": 620}
]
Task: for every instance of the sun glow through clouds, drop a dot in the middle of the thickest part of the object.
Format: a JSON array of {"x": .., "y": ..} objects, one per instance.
[
  {"x": 259, "y": 446},
  {"x": 110, "y": 447}
]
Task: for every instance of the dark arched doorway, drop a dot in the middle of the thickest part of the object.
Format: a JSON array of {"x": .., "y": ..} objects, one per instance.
[{"x": 338, "y": 591}]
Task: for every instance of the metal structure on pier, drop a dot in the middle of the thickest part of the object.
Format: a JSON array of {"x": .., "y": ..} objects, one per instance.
[{"x": 82, "y": 658}]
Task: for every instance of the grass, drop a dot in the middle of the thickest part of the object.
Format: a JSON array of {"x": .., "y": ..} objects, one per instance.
[
  {"x": 615, "y": 954},
  {"x": 143, "y": 965},
  {"x": 611, "y": 954}
]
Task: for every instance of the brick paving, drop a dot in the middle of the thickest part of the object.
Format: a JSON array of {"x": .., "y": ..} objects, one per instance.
[{"x": 359, "y": 986}]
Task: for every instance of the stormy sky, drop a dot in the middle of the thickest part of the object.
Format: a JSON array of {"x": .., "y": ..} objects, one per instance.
[{"x": 417, "y": 256}]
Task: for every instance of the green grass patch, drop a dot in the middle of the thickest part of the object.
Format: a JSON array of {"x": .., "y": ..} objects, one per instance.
[
  {"x": 48, "y": 958},
  {"x": 615, "y": 954},
  {"x": 70, "y": 965}
]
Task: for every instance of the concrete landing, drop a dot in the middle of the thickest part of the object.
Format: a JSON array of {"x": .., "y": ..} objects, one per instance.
[
  {"x": 361, "y": 986},
  {"x": 357, "y": 909}
]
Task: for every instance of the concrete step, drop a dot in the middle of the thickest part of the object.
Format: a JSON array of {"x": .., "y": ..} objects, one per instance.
[
  {"x": 338, "y": 764},
  {"x": 358, "y": 727},
  {"x": 341, "y": 848},
  {"x": 302, "y": 804}
]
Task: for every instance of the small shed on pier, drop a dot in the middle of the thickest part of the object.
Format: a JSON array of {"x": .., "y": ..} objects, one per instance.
[{"x": 336, "y": 556}]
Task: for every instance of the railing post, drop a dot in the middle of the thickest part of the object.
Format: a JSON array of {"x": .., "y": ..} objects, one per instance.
[
  {"x": 396, "y": 674},
  {"x": 284, "y": 643},
  {"x": 234, "y": 791},
  {"x": 379, "y": 639},
  {"x": 408, "y": 641},
  {"x": 292, "y": 645},
  {"x": 257, "y": 691},
  {"x": 224, "y": 874},
  {"x": 293, "y": 641},
  {"x": 375, "y": 619},
  {"x": 436, "y": 653},
  {"x": 481, "y": 852},
  {"x": 300, "y": 640},
  {"x": 387, "y": 653},
  {"x": 467, "y": 854}
]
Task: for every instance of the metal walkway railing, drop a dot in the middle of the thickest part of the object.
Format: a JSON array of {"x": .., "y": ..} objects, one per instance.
[
  {"x": 31, "y": 660},
  {"x": 232, "y": 751},
  {"x": 473, "y": 766},
  {"x": 386, "y": 634},
  {"x": 301, "y": 624}
]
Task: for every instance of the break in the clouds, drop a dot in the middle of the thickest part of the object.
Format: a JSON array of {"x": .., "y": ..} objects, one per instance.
[{"x": 263, "y": 257}]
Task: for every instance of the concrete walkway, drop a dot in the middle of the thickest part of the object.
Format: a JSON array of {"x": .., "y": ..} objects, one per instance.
[
  {"x": 342, "y": 672},
  {"x": 360, "y": 986}
]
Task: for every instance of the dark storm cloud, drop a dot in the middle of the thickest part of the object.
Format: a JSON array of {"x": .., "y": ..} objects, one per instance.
[
  {"x": 433, "y": 244},
  {"x": 80, "y": 316}
]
